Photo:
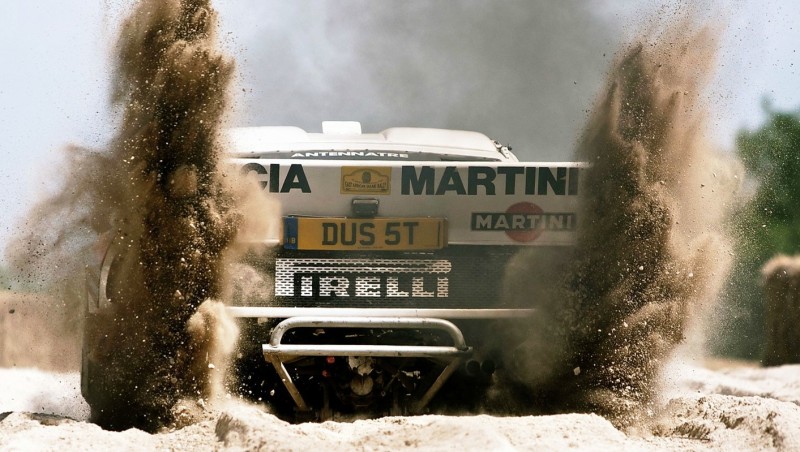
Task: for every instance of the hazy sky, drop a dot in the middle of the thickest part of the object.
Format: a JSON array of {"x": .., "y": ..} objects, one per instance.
[{"x": 522, "y": 71}]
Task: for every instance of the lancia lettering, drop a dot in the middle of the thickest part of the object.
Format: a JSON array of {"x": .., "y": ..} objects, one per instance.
[{"x": 272, "y": 180}]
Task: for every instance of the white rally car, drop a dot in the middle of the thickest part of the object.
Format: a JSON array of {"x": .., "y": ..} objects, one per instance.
[
  {"x": 388, "y": 273},
  {"x": 394, "y": 259}
]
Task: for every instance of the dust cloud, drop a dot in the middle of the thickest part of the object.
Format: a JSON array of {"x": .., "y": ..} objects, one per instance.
[
  {"x": 522, "y": 72},
  {"x": 177, "y": 220},
  {"x": 34, "y": 333},
  {"x": 159, "y": 197},
  {"x": 651, "y": 251}
]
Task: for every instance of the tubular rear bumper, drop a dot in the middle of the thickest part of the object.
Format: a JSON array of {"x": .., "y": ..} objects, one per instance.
[
  {"x": 266, "y": 312},
  {"x": 278, "y": 353}
]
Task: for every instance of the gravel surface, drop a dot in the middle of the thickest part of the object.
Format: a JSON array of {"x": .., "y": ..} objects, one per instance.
[{"x": 744, "y": 408}]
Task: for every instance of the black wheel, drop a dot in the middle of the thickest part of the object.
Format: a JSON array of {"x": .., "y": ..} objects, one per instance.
[
  {"x": 112, "y": 363},
  {"x": 782, "y": 290}
]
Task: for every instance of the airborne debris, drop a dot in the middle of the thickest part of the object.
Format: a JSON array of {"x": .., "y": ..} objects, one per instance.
[
  {"x": 645, "y": 143},
  {"x": 173, "y": 81}
]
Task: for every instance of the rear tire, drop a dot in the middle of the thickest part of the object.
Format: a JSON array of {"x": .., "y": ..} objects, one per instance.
[
  {"x": 109, "y": 383},
  {"x": 782, "y": 290}
]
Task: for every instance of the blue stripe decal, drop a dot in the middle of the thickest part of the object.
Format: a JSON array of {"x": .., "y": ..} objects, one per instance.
[{"x": 290, "y": 233}]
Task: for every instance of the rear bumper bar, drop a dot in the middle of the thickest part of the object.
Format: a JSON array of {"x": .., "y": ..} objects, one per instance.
[
  {"x": 283, "y": 313},
  {"x": 278, "y": 354}
]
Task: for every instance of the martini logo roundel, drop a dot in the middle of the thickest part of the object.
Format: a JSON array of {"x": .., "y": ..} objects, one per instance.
[
  {"x": 523, "y": 221},
  {"x": 520, "y": 229}
]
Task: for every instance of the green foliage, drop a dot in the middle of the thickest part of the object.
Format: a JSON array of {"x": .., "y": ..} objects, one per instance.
[{"x": 766, "y": 225}]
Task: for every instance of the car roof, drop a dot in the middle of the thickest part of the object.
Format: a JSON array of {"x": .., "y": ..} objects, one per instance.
[{"x": 272, "y": 139}]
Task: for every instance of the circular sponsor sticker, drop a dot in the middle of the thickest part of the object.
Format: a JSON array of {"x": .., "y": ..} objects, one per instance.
[{"x": 524, "y": 235}]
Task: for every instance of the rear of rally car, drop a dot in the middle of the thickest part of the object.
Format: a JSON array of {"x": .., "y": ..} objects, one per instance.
[{"x": 378, "y": 291}]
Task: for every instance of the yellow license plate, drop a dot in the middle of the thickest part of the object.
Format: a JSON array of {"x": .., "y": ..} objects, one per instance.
[{"x": 316, "y": 233}]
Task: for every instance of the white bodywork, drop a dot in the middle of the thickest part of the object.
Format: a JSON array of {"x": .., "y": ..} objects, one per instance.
[
  {"x": 486, "y": 195},
  {"x": 407, "y": 230},
  {"x": 256, "y": 140}
]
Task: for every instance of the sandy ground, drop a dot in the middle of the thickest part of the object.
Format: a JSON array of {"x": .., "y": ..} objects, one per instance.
[
  {"x": 746, "y": 408},
  {"x": 708, "y": 405}
]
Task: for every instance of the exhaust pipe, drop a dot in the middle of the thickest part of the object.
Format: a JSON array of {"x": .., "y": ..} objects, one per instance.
[
  {"x": 472, "y": 368},
  {"x": 475, "y": 368}
]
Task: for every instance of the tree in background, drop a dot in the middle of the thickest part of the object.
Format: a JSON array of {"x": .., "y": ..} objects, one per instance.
[{"x": 768, "y": 224}]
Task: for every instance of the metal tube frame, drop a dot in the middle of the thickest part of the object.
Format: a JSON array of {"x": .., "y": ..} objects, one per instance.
[
  {"x": 274, "y": 312},
  {"x": 279, "y": 354}
]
